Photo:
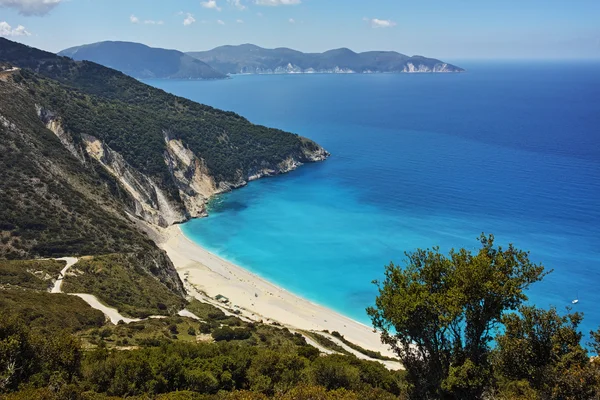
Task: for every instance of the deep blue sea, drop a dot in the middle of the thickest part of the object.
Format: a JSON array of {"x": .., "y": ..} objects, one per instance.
[{"x": 417, "y": 160}]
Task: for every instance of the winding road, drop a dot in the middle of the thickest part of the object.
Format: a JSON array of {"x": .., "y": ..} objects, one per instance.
[
  {"x": 114, "y": 316},
  {"x": 111, "y": 313},
  {"x": 57, "y": 288}
]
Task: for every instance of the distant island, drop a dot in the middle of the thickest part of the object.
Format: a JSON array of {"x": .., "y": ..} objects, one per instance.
[
  {"x": 143, "y": 62},
  {"x": 251, "y": 59}
]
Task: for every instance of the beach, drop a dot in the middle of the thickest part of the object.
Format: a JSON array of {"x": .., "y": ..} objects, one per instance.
[{"x": 207, "y": 275}]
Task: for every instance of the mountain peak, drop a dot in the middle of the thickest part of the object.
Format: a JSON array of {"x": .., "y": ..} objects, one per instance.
[{"x": 142, "y": 61}]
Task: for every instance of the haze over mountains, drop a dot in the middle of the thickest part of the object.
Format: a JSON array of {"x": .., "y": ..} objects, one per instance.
[
  {"x": 144, "y": 62},
  {"x": 251, "y": 59}
]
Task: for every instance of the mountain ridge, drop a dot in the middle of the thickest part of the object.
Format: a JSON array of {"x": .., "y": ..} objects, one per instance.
[
  {"x": 143, "y": 62},
  {"x": 251, "y": 59}
]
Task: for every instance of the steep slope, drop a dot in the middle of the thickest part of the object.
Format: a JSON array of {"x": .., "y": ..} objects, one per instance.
[
  {"x": 168, "y": 154},
  {"x": 57, "y": 203},
  {"x": 85, "y": 149},
  {"x": 143, "y": 62},
  {"x": 252, "y": 59}
]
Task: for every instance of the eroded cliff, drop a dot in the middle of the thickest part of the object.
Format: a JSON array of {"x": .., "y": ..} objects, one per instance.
[{"x": 193, "y": 179}]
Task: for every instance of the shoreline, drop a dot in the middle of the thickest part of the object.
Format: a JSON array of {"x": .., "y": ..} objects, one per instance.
[{"x": 255, "y": 297}]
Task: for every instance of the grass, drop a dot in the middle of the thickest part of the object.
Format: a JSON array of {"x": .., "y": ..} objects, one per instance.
[
  {"x": 119, "y": 281},
  {"x": 150, "y": 332},
  {"x": 204, "y": 311},
  {"x": 48, "y": 312},
  {"x": 30, "y": 274},
  {"x": 263, "y": 335}
]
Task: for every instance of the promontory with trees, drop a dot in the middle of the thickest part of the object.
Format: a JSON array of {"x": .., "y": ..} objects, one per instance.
[{"x": 89, "y": 156}]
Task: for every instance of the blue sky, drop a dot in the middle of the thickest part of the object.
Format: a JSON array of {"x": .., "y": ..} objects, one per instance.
[{"x": 456, "y": 29}]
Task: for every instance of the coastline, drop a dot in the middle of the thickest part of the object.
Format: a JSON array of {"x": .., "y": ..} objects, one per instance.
[{"x": 206, "y": 275}]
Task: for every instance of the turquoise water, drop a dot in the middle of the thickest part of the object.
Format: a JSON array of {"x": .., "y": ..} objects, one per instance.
[{"x": 417, "y": 161}]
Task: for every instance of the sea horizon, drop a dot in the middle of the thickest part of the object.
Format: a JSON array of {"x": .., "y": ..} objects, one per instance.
[{"x": 505, "y": 158}]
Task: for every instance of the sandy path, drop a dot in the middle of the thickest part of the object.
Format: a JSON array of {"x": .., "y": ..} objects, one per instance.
[
  {"x": 111, "y": 313},
  {"x": 312, "y": 343},
  {"x": 57, "y": 288},
  {"x": 392, "y": 365},
  {"x": 205, "y": 276},
  {"x": 255, "y": 297},
  {"x": 189, "y": 314}
]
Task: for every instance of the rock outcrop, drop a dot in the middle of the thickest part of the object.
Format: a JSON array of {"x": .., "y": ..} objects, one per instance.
[{"x": 193, "y": 179}]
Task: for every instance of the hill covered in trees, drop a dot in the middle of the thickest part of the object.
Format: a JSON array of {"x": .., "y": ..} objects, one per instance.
[
  {"x": 143, "y": 62},
  {"x": 441, "y": 313},
  {"x": 165, "y": 155},
  {"x": 54, "y": 346},
  {"x": 87, "y": 154}
]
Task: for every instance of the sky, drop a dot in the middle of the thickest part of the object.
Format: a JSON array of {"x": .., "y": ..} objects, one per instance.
[{"x": 459, "y": 29}]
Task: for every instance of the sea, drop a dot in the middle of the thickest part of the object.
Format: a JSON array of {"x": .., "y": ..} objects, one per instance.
[{"x": 418, "y": 160}]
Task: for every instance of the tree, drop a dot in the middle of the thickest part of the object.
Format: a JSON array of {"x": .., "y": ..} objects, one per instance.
[
  {"x": 544, "y": 349},
  {"x": 17, "y": 354},
  {"x": 439, "y": 314}
]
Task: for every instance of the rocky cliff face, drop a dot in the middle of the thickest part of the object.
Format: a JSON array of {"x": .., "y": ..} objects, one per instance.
[
  {"x": 192, "y": 177},
  {"x": 439, "y": 67},
  {"x": 59, "y": 193},
  {"x": 409, "y": 67},
  {"x": 151, "y": 203},
  {"x": 294, "y": 69}
]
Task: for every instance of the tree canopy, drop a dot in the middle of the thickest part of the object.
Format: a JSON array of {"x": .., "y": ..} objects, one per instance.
[{"x": 439, "y": 313}]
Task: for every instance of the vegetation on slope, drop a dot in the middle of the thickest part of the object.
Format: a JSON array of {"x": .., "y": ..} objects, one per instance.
[
  {"x": 48, "y": 313},
  {"x": 29, "y": 274},
  {"x": 435, "y": 303},
  {"x": 133, "y": 118},
  {"x": 375, "y": 355},
  {"x": 326, "y": 342},
  {"x": 52, "y": 205},
  {"x": 157, "y": 357},
  {"x": 121, "y": 281}
]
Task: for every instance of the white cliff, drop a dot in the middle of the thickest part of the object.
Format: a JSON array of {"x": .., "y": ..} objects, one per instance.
[{"x": 194, "y": 183}]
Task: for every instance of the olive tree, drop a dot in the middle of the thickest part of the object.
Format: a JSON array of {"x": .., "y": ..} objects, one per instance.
[
  {"x": 439, "y": 314},
  {"x": 542, "y": 349}
]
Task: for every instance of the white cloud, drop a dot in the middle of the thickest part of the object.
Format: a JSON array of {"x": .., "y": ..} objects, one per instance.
[
  {"x": 237, "y": 4},
  {"x": 220, "y": 22},
  {"x": 31, "y": 7},
  {"x": 212, "y": 4},
  {"x": 239, "y": 21},
  {"x": 189, "y": 19},
  {"x": 7, "y": 30},
  {"x": 136, "y": 20},
  {"x": 292, "y": 21},
  {"x": 274, "y": 3},
  {"x": 380, "y": 23},
  {"x": 259, "y": 14}
]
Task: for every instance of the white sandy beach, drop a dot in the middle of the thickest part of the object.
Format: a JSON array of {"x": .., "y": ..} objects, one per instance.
[{"x": 256, "y": 298}]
